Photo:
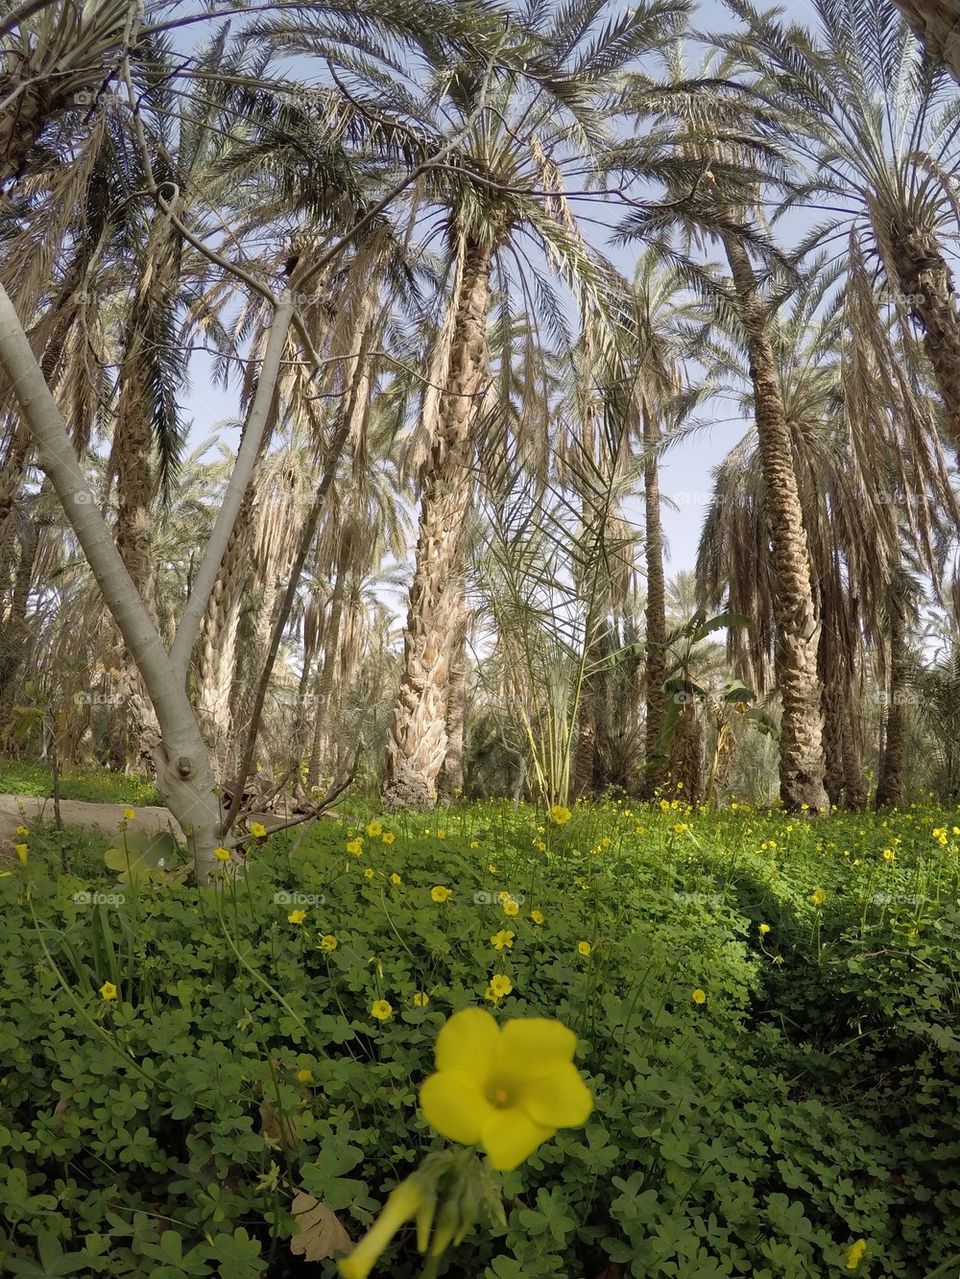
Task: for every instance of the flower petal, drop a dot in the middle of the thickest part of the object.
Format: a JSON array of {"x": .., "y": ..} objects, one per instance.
[
  {"x": 468, "y": 1042},
  {"x": 453, "y": 1103},
  {"x": 531, "y": 1047},
  {"x": 509, "y": 1136},
  {"x": 560, "y": 1099}
]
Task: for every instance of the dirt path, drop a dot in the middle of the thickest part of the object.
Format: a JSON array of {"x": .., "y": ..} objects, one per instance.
[{"x": 105, "y": 818}]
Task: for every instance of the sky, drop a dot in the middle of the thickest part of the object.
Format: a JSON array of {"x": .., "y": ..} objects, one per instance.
[{"x": 686, "y": 470}]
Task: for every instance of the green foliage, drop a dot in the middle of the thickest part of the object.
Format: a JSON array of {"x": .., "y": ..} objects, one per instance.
[
  {"x": 96, "y": 785},
  {"x": 810, "y": 1101}
]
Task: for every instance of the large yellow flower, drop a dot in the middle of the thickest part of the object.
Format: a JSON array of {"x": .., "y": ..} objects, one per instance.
[
  {"x": 854, "y": 1254},
  {"x": 441, "y": 893},
  {"x": 560, "y": 815},
  {"x": 506, "y": 1090}
]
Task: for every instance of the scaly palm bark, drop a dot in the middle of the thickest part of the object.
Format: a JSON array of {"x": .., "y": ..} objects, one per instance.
[
  {"x": 451, "y": 775},
  {"x": 936, "y": 24},
  {"x": 418, "y": 744},
  {"x": 801, "y": 734}
]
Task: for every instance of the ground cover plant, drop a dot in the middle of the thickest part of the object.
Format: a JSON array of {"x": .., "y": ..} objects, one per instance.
[{"x": 765, "y": 1007}]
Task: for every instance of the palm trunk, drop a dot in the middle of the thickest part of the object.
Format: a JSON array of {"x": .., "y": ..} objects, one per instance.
[
  {"x": 854, "y": 782},
  {"x": 890, "y": 779},
  {"x": 14, "y": 627},
  {"x": 655, "y": 611},
  {"x": 801, "y": 733},
  {"x": 926, "y": 283},
  {"x": 936, "y": 24},
  {"x": 451, "y": 776},
  {"x": 418, "y": 736},
  {"x": 833, "y": 717},
  {"x": 331, "y": 643}
]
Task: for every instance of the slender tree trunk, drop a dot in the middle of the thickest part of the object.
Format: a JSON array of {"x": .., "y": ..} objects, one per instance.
[
  {"x": 331, "y": 643},
  {"x": 801, "y": 733},
  {"x": 890, "y": 779},
  {"x": 833, "y": 722},
  {"x": 418, "y": 736},
  {"x": 14, "y": 627},
  {"x": 655, "y": 611},
  {"x": 854, "y": 782},
  {"x": 926, "y": 283},
  {"x": 451, "y": 775}
]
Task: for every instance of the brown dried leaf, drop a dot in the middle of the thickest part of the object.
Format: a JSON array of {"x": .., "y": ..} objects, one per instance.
[{"x": 319, "y": 1233}]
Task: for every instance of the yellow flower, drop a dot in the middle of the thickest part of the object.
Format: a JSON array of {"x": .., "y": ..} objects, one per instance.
[
  {"x": 395, "y": 878},
  {"x": 560, "y": 815},
  {"x": 440, "y": 893},
  {"x": 680, "y": 827},
  {"x": 507, "y": 1090},
  {"x": 304, "y": 1076},
  {"x": 296, "y": 917},
  {"x": 474, "y": 844},
  {"x": 222, "y": 854},
  {"x": 21, "y": 850},
  {"x": 889, "y": 855},
  {"x": 374, "y": 829},
  {"x": 537, "y": 916},
  {"x": 258, "y": 830},
  {"x": 511, "y": 908},
  {"x": 406, "y": 1201},
  {"x": 368, "y": 873},
  {"x": 504, "y": 938},
  {"x": 540, "y": 846},
  {"x": 328, "y": 942},
  {"x": 380, "y": 1009},
  {"x": 854, "y": 1254},
  {"x": 129, "y": 814},
  {"x": 818, "y": 897},
  {"x": 388, "y": 837},
  {"x": 504, "y": 896},
  {"x": 492, "y": 870},
  {"x": 584, "y": 948},
  {"x": 638, "y": 830},
  {"x": 355, "y": 846},
  {"x": 441, "y": 834},
  {"x": 500, "y": 986},
  {"x": 421, "y": 999},
  {"x": 108, "y": 991},
  {"x": 21, "y": 830},
  {"x": 764, "y": 929},
  {"x": 699, "y": 996}
]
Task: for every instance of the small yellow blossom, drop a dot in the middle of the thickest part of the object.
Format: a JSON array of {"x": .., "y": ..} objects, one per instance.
[
  {"x": 889, "y": 855},
  {"x": 818, "y": 897},
  {"x": 699, "y": 996},
  {"x": 584, "y": 948},
  {"x": 304, "y": 1076},
  {"x": 374, "y": 829},
  {"x": 492, "y": 870},
  {"x": 258, "y": 830},
  {"x": 368, "y": 873},
  {"x": 328, "y": 942},
  {"x": 395, "y": 878},
  {"x": 388, "y": 837},
  {"x": 222, "y": 854},
  {"x": 21, "y": 850},
  {"x": 441, "y": 893},
  {"x": 474, "y": 844},
  {"x": 421, "y": 999},
  {"x": 537, "y": 916},
  {"x": 560, "y": 815},
  {"x": 355, "y": 847},
  {"x": 764, "y": 929},
  {"x": 680, "y": 827},
  {"x": 129, "y": 814},
  {"x": 540, "y": 846},
  {"x": 511, "y": 908},
  {"x": 296, "y": 917},
  {"x": 441, "y": 834},
  {"x": 507, "y": 1090},
  {"x": 381, "y": 1009},
  {"x": 108, "y": 991},
  {"x": 854, "y": 1254},
  {"x": 500, "y": 986},
  {"x": 504, "y": 938},
  {"x": 21, "y": 830}
]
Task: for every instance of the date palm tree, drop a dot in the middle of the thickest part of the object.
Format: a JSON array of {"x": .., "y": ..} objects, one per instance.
[{"x": 505, "y": 181}]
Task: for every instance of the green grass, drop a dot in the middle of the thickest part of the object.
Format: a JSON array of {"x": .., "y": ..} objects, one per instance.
[
  {"x": 19, "y": 777},
  {"x": 810, "y": 1101}
]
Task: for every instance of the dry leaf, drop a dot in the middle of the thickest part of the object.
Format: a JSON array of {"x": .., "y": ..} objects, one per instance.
[{"x": 319, "y": 1232}]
